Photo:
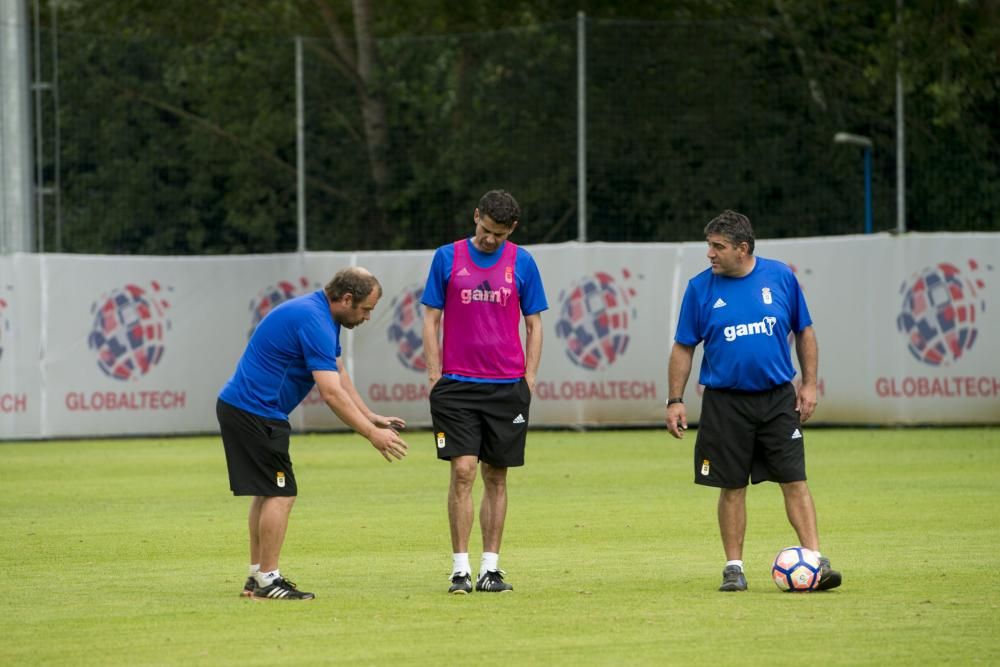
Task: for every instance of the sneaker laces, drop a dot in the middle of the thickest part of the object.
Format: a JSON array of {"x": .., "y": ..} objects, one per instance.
[{"x": 495, "y": 574}]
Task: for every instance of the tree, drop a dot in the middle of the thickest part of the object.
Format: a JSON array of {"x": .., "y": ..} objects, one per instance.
[{"x": 178, "y": 120}]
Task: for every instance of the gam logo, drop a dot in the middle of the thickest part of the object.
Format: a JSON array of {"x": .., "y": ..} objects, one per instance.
[
  {"x": 128, "y": 329},
  {"x": 939, "y": 310},
  {"x": 595, "y": 314}
]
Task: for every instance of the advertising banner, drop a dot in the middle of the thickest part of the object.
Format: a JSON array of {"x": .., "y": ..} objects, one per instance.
[{"x": 908, "y": 330}]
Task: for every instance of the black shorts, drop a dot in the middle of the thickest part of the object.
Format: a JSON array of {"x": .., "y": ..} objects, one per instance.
[
  {"x": 256, "y": 453},
  {"x": 483, "y": 419},
  {"x": 749, "y": 435}
]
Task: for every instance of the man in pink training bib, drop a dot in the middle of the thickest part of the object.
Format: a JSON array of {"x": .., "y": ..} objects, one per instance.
[{"x": 481, "y": 376}]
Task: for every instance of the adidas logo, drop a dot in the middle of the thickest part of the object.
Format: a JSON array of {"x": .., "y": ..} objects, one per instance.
[
  {"x": 519, "y": 419},
  {"x": 462, "y": 272},
  {"x": 719, "y": 304},
  {"x": 276, "y": 593},
  {"x": 796, "y": 434}
]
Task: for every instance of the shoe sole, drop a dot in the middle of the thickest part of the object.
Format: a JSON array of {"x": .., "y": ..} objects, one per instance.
[
  {"x": 260, "y": 599},
  {"x": 459, "y": 592},
  {"x": 246, "y": 594},
  {"x": 506, "y": 590}
]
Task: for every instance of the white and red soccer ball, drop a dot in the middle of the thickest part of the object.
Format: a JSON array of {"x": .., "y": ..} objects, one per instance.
[{"x": 796, "y": 569}]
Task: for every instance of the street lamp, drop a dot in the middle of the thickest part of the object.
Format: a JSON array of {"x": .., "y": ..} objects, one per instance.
[{"x": 866, "y": 144}]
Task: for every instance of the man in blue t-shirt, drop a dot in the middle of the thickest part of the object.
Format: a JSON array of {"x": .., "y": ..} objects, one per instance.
[
  {"x": 295, "y": 346},
  {"x": 744, "y": 309}
]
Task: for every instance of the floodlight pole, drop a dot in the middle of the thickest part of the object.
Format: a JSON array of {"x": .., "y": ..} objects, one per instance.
[{"x": 866, "y": 145}]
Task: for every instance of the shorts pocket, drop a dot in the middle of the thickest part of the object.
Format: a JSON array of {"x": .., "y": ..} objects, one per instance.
[{"x": 278, "y": 430}]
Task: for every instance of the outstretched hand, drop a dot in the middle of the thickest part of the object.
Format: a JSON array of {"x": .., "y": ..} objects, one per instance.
[
  {"x": 395, "y": 423},
  {"x": 387, "y": 441}
]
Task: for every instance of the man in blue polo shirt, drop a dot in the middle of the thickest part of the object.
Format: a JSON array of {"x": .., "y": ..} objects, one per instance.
[
  {"x": 296, "y": 346},
  {"x": 743, "y": 308}
]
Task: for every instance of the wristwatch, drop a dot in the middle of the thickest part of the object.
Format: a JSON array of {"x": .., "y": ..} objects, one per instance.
[{"x": 671, "y": 401}]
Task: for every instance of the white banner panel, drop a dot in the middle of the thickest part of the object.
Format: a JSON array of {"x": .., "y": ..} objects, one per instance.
[
  {"x": 908, "y": 330},
  {"x": 606, "y": 339},
  {"x": 142, "y": 344},
  {"x": 21, "y": 347}
]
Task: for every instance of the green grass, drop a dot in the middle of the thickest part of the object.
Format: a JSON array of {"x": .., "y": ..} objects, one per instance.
[{"x": 133, "y": 553}]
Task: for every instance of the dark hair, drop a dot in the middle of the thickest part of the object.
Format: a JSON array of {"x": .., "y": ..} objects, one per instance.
[
  {"x": 735, "y": 227},
  {"x": 501, "y": 206},
  {"x": 354, "y": 280}
]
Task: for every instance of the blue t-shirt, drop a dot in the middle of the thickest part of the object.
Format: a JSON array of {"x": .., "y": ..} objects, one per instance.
[
  {"x": 745, "y": 324},
  {"x": 529, "y": 282},
  {"x": 275, "y": 372}
]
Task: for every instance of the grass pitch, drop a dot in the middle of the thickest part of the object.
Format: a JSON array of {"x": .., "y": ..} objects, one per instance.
[{"x": 134, "y": 552}]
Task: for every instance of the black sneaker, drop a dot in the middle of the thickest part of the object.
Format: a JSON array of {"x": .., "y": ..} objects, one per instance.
[
  {"x": 280, "y": 589},
  {"x": 492, "y": 581},
  {"x": 733, "y": 579},
  {"x": 828, "y": 577},
  {"x": 461, "y": 583},
  {"x": 249, "y": 587}
]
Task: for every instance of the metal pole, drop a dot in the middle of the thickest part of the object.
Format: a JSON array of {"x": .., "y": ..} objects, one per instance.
[
  {"x": 868, "y": 190},
  {"x": 581, "y": 127},
  {"x": 17, "y": 211},
  {"x": 300, "y": 146},
  {"x": 56, "y": 143},
  {"x": 900, "y": 129},
  {"x": 37, "y": 87}
]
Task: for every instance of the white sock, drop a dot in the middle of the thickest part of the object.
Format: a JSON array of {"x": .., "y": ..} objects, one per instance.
[
  {"x": 254, "y": 569},
  {"x": 737, "y": 563},
  {"x": 489, "y": 563},
  {"x": 460, "y": 564},
  {"x": 265, "y": 579}
]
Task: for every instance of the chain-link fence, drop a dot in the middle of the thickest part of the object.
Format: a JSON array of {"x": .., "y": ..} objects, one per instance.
[{"x": 162, "y": 147}]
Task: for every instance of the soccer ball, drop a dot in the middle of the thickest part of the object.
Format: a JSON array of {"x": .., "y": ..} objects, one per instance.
[{"x": 796, "y": 569}]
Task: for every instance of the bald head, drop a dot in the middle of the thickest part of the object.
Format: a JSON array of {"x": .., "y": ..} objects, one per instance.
[{"x": 357, "y": 281}]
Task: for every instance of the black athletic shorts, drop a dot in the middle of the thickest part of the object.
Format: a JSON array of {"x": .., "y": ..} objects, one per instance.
[
  {"x": 483, "y": 419},
  {"x": 256, "y": 453},
  {"x": 749, "y": 435}
]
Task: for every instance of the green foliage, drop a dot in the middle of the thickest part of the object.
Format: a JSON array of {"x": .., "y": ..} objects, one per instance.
[
  {"x": 133, "y": 552},
  {"x": 177, "y": 120}
]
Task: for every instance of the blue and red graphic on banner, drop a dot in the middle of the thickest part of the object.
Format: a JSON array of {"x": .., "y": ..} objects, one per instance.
[
  {"x": 594, "y": 319},
  {"x": 4, "y": 324},
  {"x": 406, "y": 328},
  {"x": 128, "y": 329},
  {"x": 272, "y": 295},
  {"x": 939, "y": 311}
]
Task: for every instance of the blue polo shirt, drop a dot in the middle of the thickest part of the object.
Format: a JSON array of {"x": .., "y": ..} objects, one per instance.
[
  {"x": 745, "y": 325},
  {"x": 275, "y": 372}
]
